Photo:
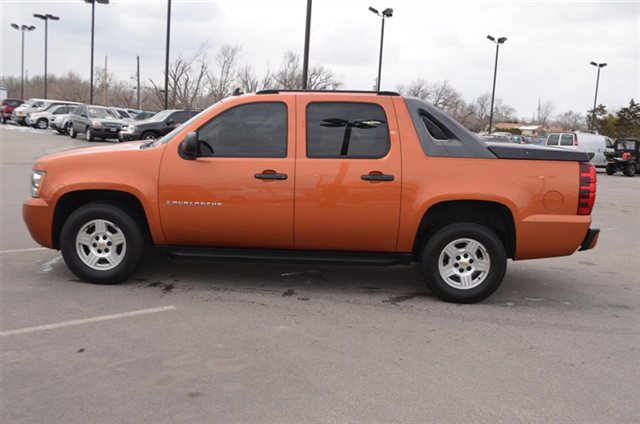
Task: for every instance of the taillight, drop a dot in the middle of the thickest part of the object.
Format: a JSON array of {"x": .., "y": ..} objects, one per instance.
[
  {"x": 575, "y": 140},
  {"x": 587, "y": 196}
]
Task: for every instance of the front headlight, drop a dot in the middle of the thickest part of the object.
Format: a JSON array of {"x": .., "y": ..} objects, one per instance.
[
  {"x": 37, "y": 177},
  {"x": 96, "y": 124},
  {"x": 131, "y": 128}
]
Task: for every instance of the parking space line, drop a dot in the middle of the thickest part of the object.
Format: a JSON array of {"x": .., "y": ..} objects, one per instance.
[
  {"x": 85, "y": 321},
  {"x": 31, "y": 249}
]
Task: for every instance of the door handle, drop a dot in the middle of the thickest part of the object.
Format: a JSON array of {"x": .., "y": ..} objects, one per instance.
[
  {"x": 270, "y": 176},
  {"x": 377, "y": 177}
]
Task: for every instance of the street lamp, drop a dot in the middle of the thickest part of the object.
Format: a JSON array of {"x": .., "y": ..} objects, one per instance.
[
  {"x": 45, "y": 18},
  {"x": 387, "y": 13},
  {"x": 497, "y": 42},
  {"x": 93, "y": 21},
  {"x": 593, "y": 115},
  {"x": 22, "y": 28}
]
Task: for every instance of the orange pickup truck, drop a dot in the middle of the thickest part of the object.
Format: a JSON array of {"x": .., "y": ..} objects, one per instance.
[{"x": 364, "y": 177}]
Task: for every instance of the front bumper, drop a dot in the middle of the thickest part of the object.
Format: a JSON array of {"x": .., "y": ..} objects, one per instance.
[
  {"x": 38, "y": 217},
  {"x": 17, "y": 119},
  {"x": 105, "y": 132},
  {"x": 129, "y": 136},
  {"x": 590, "y": 240}
]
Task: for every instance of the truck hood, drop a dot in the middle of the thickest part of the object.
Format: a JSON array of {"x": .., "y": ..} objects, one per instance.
[{"x": 87, "y": 153}]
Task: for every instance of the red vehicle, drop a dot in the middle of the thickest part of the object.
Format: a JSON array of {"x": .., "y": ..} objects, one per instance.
[{"x": 7, "y": 107}]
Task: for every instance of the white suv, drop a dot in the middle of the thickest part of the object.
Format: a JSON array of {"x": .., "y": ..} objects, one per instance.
[{"x": 41, "y": 119}]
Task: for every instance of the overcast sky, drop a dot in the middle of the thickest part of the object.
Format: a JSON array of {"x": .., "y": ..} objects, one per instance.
[{"x": 546, "y": 56}]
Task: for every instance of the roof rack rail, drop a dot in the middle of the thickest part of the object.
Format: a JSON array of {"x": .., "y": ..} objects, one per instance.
[{"x": 379, "y": 93}]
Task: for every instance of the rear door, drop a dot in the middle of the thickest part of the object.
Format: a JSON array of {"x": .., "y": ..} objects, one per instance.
[{"x": 348, "y": 174}]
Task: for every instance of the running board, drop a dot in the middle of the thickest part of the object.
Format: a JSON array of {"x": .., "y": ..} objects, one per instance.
[{"x": 302, "y": 256}]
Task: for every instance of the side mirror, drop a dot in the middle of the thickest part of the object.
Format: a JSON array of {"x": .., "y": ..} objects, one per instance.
[
  {"x": 170, "y": 122},
  {"x": 189, "y": 146},
  {"x": 84, "y": 115}
]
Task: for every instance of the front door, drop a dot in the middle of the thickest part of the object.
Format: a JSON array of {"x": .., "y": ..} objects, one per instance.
[
  {"x": 239, "y": 191},
  {"x": 348, "y": 175}
]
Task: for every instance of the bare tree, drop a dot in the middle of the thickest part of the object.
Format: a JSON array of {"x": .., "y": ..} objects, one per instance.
[
  {"x": 544, "y": 112},
  {"x": 221, "y": 83},
  {"x": 187, "y": 78},
  {"x": 289, "y": 76},
  {"x": 570, "y": 121},
  {"x": 247, "y": 79}
]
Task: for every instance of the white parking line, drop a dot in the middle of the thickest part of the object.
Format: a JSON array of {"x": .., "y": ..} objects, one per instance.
[
  {"x": 85, "y": 321},
  {"x": 31, "y": 249}
]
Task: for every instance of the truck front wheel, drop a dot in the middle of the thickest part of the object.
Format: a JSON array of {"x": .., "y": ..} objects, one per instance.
[
  {"x": 102, "y": 243},
  {"x": 630, "y": 170},
  {"x": 463, "y": 262}
]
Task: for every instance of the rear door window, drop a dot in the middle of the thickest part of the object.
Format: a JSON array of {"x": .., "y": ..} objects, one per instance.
[
  {"x": 553, "y": 140},
  {"x": 566, "y": 140},
  {"x": 346, "y": 130}
]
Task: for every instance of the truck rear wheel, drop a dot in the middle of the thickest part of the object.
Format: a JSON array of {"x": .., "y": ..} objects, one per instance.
[
  {"x": 102, "y": 243},
  {"x": 463, "y": 262},
  {"x": 609, "y": 169}
]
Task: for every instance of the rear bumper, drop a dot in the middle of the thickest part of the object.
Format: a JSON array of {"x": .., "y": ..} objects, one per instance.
[{"x": 590, "y": 240}]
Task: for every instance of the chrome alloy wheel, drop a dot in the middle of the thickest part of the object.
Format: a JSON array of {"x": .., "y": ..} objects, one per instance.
[
  {"x": 464, "y": 263},
  {"x": 101, "y": 245}
]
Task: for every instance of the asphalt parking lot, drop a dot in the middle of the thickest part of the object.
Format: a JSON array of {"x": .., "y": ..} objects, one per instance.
[{"x": 196, "y": 342}]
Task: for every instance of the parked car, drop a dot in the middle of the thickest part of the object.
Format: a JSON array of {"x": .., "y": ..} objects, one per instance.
[
  {"x": 504, "y": 134},
  {"x": 123, "y": 113},
  {"x": 60, "y": 123},
  {"x": 8, "y": 105},
  {"x": 94, "y": 122},
  {"x": 625, "y": 157},
  {"x": 20, "y": 113},
  {"x": 143, "y": 115},
  {"x": 42, "y": 119},
  {"x": 158, "y": 125},
  {"x": 331, "y": 176},
  {"x": 584, "y": 142}
]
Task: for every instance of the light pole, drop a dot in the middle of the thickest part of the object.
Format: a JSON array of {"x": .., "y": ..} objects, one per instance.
[
  {"x": 305, "y": 60},
  {"x": 595, "y": 99},
  {"x": 22, "y": 28},
  {"x": 166, "y": 58},
  {"x": 387, "y": 13},
  {"x": 93, "y": 21},
  {"x": 45, "y": 18},
  {"x": 497, "y": 42}
]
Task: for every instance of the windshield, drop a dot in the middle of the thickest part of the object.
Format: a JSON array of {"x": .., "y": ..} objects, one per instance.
[
  {"x": 160, "y": 116},
  {"x": 98, "y": 112}
]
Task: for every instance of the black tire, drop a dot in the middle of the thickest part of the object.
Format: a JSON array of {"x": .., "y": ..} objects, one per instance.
[
  {"x": 72, "y": 132},
  {"x": 149, "y": 135},
  {"x": 89, "y": 134},
  {"x": 489, "y": 281},
  {"x": 609, "y": 170},
  {"x": 42, "y": 124},
  {"x": 4, "y": 120},
  {"x": 126, "y": 224},
  {"x": 630, "y": 170}
]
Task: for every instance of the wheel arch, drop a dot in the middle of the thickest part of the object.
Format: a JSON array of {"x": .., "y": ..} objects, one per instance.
[
  {"x": 71, "y": 201},
  {"x": 496, "y": 216}
]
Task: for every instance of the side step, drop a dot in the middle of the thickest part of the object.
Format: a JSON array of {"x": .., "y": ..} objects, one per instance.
[{"x": 301, "y": 256}]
